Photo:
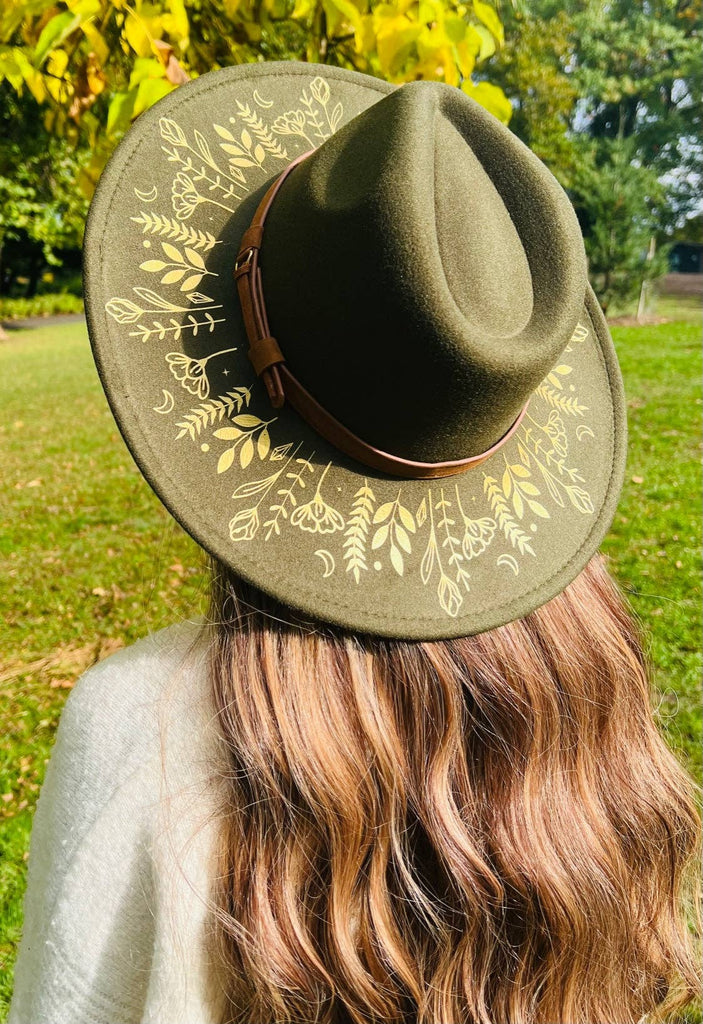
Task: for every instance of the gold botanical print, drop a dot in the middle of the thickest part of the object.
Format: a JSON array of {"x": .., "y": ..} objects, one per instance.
[
  {"x": 213, "y": 412},
  {"x": 250, "y": 434},
  {"x": 397, "y": 522},
  {"x": 158, "y": 224},
  {"x": 478, "y": 533},
  {"x": 369, "y": 527},
  {"x": 358, "y": 529},
  {"x": 191, "y": 372},
  {"x": 125, "y": 311},
  {"x": 287, "y": 495},
  {"x": 441, "y": 536},
  {"x": 260, "y": 131},
  {"x": 178, "y": 265},
  {"x": 316, "y": 516}
]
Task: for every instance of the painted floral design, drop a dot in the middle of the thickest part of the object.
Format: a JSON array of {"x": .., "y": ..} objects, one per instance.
[
  {"x": 370, "y": 529},
  {"x": 191, "y": 372},
  {"x": 316, "y": 516}
]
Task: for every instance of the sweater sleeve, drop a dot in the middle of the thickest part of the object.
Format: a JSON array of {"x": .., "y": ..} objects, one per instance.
[{"x": 113, "y": 930}]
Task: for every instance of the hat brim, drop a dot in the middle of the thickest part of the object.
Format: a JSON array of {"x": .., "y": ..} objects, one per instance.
[{"x": 257, "y": 487}]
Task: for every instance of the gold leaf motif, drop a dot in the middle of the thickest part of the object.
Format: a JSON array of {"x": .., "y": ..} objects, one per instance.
[{"x": 357, "y": 530}]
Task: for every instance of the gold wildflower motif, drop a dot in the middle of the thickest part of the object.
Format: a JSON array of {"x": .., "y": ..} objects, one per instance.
[
  {"x": 316, "y": 516},
  {"x": 242, "y": 151},
  {"x": 520, "y": 490},
  {"x": 125, "y": 311},
  {"x": 244, "y": 524},
  {"x": 554, "y": 429},
  {"x": 501, "y": 510},
  {"x": 478, "y": 533},
  {"x": 176, "y": 327},
  {"x": 287, "y": 494},
  {"x": 191, "y": 372},
  {"x": 292, "y": 123},
  {"x": 580, "y": 334},
  {"x": 448, "y": 591},
  {"x": 561, "y": 480}
]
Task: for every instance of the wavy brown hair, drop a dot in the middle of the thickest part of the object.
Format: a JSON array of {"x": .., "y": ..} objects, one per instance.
[{"x": 487, "y": 829}]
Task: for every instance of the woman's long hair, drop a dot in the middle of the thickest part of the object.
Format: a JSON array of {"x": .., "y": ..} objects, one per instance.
[{"x": 483, "y": 830}]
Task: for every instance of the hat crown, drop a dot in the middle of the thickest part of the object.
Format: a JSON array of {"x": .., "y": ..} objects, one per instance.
[{"x": 423, "y": 270}]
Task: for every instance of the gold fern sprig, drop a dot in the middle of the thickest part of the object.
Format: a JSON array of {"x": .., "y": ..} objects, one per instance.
[
  {"x": 262, "y": 133},
  {"x": 501, "y": 510},
  {"x": 557, "y": 401},
  {"x": 158, "y": 224},
  {"x": 213, "y": 412},
  {"x": 357, "y": 531}
]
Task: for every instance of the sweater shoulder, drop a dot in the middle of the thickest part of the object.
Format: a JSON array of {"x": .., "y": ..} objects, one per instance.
[{"x": 122, "y": 709}]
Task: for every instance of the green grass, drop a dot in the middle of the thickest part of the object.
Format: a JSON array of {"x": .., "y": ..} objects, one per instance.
[{"x": 90, "y": 559}]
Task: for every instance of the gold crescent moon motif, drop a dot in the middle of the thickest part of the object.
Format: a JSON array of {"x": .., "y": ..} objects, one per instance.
[
  {"x": 146, "y": 197},
  {"x": 262, "y": 103},
  {"x": 328, "y": 558},
  {"x": 510, "y": 562},
  {"x": 167, "y": 404},
  {"x": 583, "y": 430}
]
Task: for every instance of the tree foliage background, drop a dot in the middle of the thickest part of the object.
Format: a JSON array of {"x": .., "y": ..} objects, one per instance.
[{"x": 607, "y": 95}]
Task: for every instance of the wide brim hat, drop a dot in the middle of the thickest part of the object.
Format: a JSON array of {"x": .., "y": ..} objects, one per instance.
[{"x": 425, "y": 279}]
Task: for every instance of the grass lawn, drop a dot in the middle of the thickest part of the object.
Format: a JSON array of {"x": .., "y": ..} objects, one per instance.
[{"x": 91, "y": 560}]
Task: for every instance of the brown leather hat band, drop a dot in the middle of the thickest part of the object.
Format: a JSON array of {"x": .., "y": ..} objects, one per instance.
[{"x": 269, "y": 363}]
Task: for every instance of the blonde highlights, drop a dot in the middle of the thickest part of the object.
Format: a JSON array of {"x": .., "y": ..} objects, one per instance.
[{"x": 483, "y": 830}]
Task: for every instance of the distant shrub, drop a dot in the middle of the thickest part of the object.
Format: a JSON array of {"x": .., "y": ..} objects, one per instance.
[{"x": 40, "y": 305}]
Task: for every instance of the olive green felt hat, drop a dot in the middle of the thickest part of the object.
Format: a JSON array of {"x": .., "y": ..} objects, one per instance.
[{"x": 424, "y": 276}]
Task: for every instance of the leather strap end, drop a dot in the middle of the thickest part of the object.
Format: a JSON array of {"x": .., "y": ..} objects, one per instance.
[
  {"x": 263, "y": 352},
  {"x": 274, "y": 386}
]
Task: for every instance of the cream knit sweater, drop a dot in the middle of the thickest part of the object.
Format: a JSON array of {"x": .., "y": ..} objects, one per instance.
[{"x": 122, "y": 847}]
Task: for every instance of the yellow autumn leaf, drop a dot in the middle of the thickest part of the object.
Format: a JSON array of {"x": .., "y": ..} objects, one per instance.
[
  {"x": 486, "y": 14},
  {"x": 175, "y": 22},
  {"x": 394, "y": 40},
  {"x": 491, "y": 97}
]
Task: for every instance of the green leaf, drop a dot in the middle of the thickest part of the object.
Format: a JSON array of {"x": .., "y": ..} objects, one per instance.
[
  {"x": 119, "y": 112},
  {"x": 53, "y": 34},
  {"x": 149, "y": 92}
]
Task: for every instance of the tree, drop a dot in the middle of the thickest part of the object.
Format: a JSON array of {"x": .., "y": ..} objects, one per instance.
[
  {"x": 532, "y": 69},
  {"x": 94, "y": 65},
  {"x": 37, "y": 180},
  {"x": 620, "y": 204}
]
